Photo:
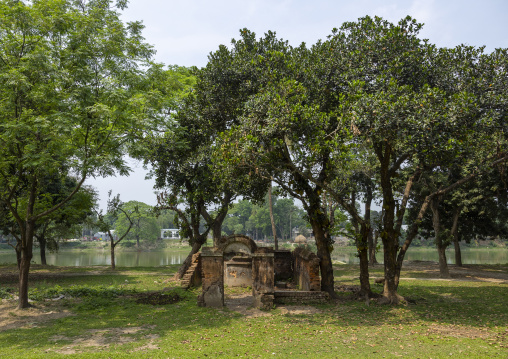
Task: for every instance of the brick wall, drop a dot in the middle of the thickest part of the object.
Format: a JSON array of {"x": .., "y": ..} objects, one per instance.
[
  {"x": 283, "y": 265},
  {"x": 306, "y": 270},
  {"x": 212, "y": 268},
  {"x": 300, "y": 297}
]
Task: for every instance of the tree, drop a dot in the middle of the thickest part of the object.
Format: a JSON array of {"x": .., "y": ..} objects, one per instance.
[
  {"x": 279, "y": 132},
  {"x": 478, "y": 209},
  {"x": 272, "y": 219},
  {"x": 409, "y": 105},
  {"x": 105, "y": 222},
  {"x": 144, "y": 222},
  {"x": 69, "y": 73},
  {"x": 182, "y": 160},
  {"x": 63, "y": 222}
]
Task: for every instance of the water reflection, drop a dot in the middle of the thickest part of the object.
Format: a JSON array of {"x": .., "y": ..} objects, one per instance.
[
  {"x": 122, "y": 259},
  {"x": 168, "y": 257},
  {"x": 469, "y": 256}
]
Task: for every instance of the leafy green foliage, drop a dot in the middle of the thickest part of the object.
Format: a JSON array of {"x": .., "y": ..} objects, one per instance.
[
  {"x": 70, "y": 72},
  {"x": 145, "y": 225}
]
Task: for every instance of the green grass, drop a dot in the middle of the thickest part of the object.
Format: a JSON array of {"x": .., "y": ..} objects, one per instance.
[{"x": 449, "y": 319}]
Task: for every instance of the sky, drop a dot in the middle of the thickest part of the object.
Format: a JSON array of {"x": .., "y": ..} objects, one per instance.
[{"x": 185, "y": 32}]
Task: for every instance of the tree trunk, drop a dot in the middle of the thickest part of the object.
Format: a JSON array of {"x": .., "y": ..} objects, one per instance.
[
  {"x": 443, "y": 266},
  {"x": 272, "y": 220},
  {"x": 364, "y": 261},
  {"x": 188, "y": 260},
  {"x": 42, "y": 245},
  {"x": 23, "y": 279},
  {"x": 441, "y": 247},
  {"x": 458, "y": 253},
  {"x": 24, "y": 267},
  {"x": 113, "y": 265},
  {"x": 216, "y": 232},
  {"x": 325, "y": 263},
  {"x": 18, "y": 254},
  {"x": 392, "y": 272},
  {"x": 137, "y": 240},
  {"x": 372, "y": 248},
  {"x": 455, "y": 235},
  {"x": 390, "y": 249},
  {"x": 370, "y": 239}
]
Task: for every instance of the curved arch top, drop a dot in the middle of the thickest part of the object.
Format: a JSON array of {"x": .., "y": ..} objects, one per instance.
[{"x": 237, "y": 243}]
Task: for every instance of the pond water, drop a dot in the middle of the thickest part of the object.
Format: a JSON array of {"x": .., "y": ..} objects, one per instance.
[
  {"x": 177, "y": 256},
  {"x": 95, "y": 258},
  {"x": 469, "y": 255}
]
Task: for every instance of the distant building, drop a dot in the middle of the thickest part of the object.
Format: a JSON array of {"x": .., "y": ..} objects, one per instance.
[
  {"x": 170, "y": 233},
  {"x": 103, "y": 236}
]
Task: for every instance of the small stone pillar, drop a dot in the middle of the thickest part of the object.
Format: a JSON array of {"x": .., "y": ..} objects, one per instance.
[
  {"x": 263, "y": 283},
  {"x": 212, "y": 267}
]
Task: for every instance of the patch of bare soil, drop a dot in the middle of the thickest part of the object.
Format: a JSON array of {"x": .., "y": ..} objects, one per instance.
[
  {"x": 102, "y": 338},
  {"x": 13, "y": 318},
  {"x": 466, "y": 272},
  {"x": 242, "y": 303},
  {"x": 157, "y": 298},
  {"x": 10, "y": 274},
  {"x": 458, "y": 331}
]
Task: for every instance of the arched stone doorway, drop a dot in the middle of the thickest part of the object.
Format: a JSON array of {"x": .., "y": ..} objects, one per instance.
[
  {"x": 237, "y": 254},
  {"x": 237, "y": 261}
]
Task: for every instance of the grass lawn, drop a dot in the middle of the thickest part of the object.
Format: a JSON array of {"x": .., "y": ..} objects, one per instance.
[{"x": 105, "y": 314}]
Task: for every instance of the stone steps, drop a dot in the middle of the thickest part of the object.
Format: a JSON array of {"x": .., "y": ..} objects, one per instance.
[{"x": 186, "y": 280}]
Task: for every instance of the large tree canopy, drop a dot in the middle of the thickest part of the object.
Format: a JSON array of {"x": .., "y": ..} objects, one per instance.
[
  {"x": 372, "y": 100},
  {"x": 70, "y": 73}
]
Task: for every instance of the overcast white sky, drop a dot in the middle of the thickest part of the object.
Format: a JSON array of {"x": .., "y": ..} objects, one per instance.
[{"x": 185, "y": 32}]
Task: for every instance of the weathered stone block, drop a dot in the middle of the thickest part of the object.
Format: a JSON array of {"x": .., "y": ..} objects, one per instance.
[
  {"x": 212, "y": 267},
  {"x": 306, "y": 270},
  {"x": 283, "y": 265},
  {"x": 238, "y": 272},
  {"x": 300, "y": 297}
]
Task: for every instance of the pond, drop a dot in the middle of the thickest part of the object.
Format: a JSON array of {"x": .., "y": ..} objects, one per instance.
[
  {"x": 469, "y": 255},
  {"x": 177, "y": 256},
  {"x": 103, "y": 257}
]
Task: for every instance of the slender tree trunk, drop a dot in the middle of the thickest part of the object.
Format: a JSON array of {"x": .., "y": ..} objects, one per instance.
[
  {"x": 113, "y": 265},
  {"x": 42, "y": 245},
  {"x": 272, "y": 220},
  {"x": 458, "y": 253},
  {"x": 373, "y": 238},
  {"x": 23, "y": 280},
  {"x": 18, "y": 254},
  {"x": 364, "y": 260},
  {"x": 455, "y": 235},
  {"x": 370, "y": 239},
  {"x": 137, "y": 240},
  {"x": 441, "y": 247},
  {"x": 24, "y": 267},
  {"x": 372, "y": 248}
]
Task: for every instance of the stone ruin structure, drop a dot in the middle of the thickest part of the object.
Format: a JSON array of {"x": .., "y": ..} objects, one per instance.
[{"x": 238, "y": 261}]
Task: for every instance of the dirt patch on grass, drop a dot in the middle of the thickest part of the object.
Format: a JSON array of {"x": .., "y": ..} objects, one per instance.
[
  {"x": 13, "y": 318},
  {"x": 242, "y": 303},
  {"x": 157, "y": 298},
  {"x": 101, "y": 338},
  {"x": 458, "y": 331},
  {"x": 495, "y": 274}
]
